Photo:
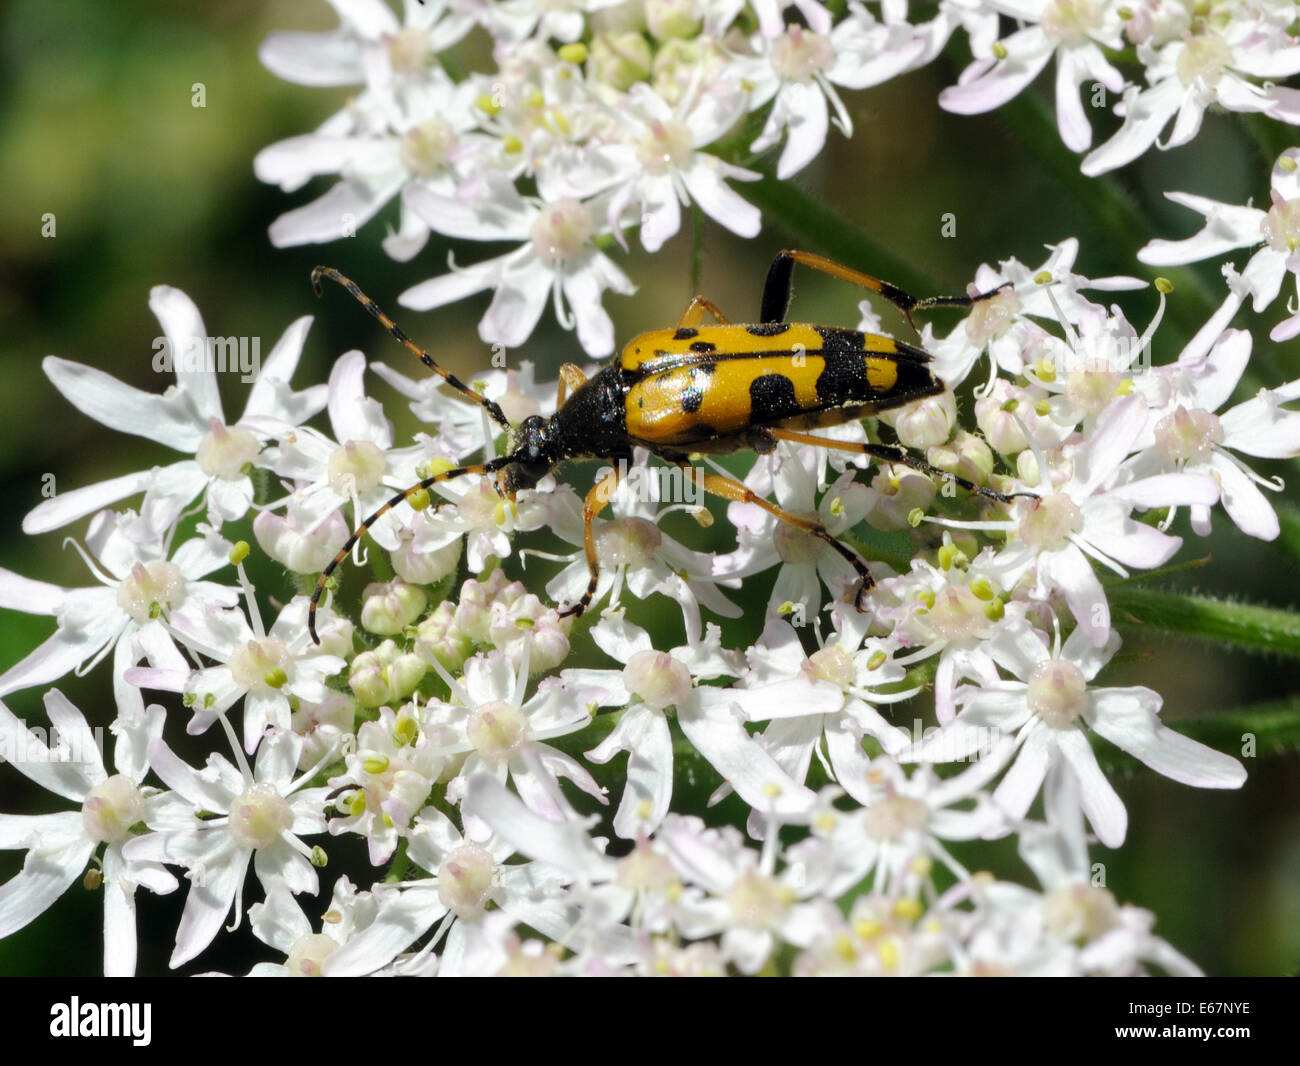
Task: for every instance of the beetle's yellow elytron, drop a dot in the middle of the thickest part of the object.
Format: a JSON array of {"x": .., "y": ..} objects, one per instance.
[{"x": 695, "y": 388}]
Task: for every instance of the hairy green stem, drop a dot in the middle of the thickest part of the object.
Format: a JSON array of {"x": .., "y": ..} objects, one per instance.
[{"x": 1240, "y": 625}]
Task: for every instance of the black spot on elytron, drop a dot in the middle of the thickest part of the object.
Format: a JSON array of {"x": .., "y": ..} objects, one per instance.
[
  {"x": 703, "y": 346},
  {"x": 768, "y": 329},
  {"x": 843, "y": 379},
  {"x": 685, "y": 333},
  {"x": 840, "y": 340},
  {"x": 692, "y": 398},
  {"x": 771, "y": 398}
]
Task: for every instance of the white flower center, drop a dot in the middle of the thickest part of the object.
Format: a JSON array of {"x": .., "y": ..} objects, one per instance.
[
  {"x": 1188, "y": 435},
  {"x": 659, "y": 679},
  {"x": 628, "y": 542},
  {"x": 466, "y": 880},
  {"x": 798, "y": 54},
  {"x": 957, "y": 614},
  {"x": 893, "y": 816},
  {"x": 1057, "y": 692},
  {"x": 410, "y": 50},
  {"x": 497, "y": 730},
  {"x": 831, "y": 664},
  {"x": 1091, "y": 391},
  {"x": 309, "y": 953},
  {"x": 1205, "y": 57},
  {"x": 1070, "y": 21},
  {"x": 150, "y": 589},
  {"x": 758, "y": 902},
  {"x": 667, "y": 145},
  {"x": 645, "y": 870},
  {"x": 1281, "y": 226},
  {"x": 426, "y": 146},
  {"x": 795, "y": 545},
  {"x": 224, "y": 451},
  {"x": 356, "y": 467},
  {"x": 1079, "y": 913},
  {"x": 111, "y": 808},
  {"x": 561, "y": 232},
  {"x": 259, "y": 816},
  {"x": 261, "y": 666},
  {"x": 1048, "y": 526}
]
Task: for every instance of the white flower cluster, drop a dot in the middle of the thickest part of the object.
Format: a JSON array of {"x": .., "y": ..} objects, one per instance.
[
  {"x": 603, "y": 117},
  {"x": 439, "y": 731}
]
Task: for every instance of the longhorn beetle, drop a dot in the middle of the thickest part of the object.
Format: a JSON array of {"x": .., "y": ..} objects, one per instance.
[{"x": 696, "y": 388}]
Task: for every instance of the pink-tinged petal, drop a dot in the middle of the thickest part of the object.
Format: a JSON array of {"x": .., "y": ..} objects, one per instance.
[
  {"x": 661, "y": 213},
  {"x": 209, "y": 900},
  {"x": 353, "y": 415},
  {"x": 1070, "y": 571},
  {"x": 64, "y": 651},
  {"x": 1127, "y": 542},
  {"x": 1215, "y": 378},
  {"x": 403, "y": 918},
  {"x": 201, "y": 793},
  {"x": 340, "y": 212},
  {"x": 1101, "y": 803},
  {"x": 1208, "y": 335},
  {"x": 807, "y": 121},
  {"x": 18, "y": 593},
  {"x": 565, "y": 845},
  {"x": 1087, "y": 656},
  {"x": 75, "y": 734},
  {"x": 1127, "y": 719},
  {"x": 1227, "y": 227},
  {"x": 798, "y": 697},
  {"x": 30, "y": 755},
  {"x": 1099, "y": 457},
  {"x": 718, "y": 735},
  {"x": 281, "y": 864},
  {"x": 78, "y": 503},
  {"x": 45, "y": 876},
  {"x": 517, "y": 306},
  {"x": 488, "y": 218},
  {"x": 719, "y": 200},
  {"x": 584, "y": 290},
  {"x": 293, "y": 162},
  {"x": 1147, "y": 113},
  {"x": 558, "y": 765},
  {"x": 271, "y": 396},
  {"x": 319, "y": 60},
  {"x": 1263, "y": 428},
  {"x": 1270, "y": 63},
  {"x": 643, "y": 734},
  {"x": 168, "y": 419},
  {"x": 1237, "y": 94},
  {"x": 1286, "y": 330},
  {"x": 1016, "y": 793},
  {"x": 1070, "y": 117},
  {"x": 1028, "y": 52},
  {"x": 187, "y": 337},
  {"x": 1017, "y": 647},
  {"x": 1246, "y": 505}
]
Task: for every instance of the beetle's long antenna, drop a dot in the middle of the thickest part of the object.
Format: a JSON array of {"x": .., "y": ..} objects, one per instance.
[
  {"x": 447, "y": 475},
  {"x": 400, "y": 335}
]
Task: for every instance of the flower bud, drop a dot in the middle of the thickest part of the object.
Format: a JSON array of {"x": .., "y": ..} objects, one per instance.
[{"x": 389, "y": 608}]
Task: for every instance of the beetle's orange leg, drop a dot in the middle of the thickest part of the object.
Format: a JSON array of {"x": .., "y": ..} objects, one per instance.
[
  {"x": 731, "y": 489},
  {"x": 571, "y": 380},
  {"x": 597, "y": 500},
  {"x": 886, "y": 453},
  {"x": 777, "y": 288},
  {"x": 695, "y": 310}
]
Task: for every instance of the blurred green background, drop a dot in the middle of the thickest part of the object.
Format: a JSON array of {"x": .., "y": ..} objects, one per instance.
[{"x": 97, "y": 128}]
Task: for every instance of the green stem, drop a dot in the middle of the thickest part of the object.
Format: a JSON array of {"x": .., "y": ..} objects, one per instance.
[{"x": 1240, "y": 625}]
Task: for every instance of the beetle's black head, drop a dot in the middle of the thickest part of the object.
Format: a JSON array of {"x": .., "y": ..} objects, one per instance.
[{"x": 532, "y": 455}]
